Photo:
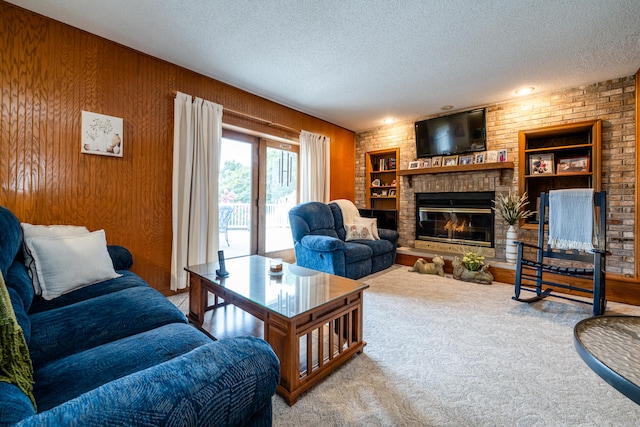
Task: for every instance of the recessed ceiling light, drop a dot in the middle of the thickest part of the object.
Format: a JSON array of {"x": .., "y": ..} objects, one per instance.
[
  {"x": 446, "y": 107},
  {"x": 388, "y": 120},
  {"x": 525, "y": 90}
]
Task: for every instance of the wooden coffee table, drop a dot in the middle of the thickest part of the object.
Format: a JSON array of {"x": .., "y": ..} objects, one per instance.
[{"x": 312, "y": 320}]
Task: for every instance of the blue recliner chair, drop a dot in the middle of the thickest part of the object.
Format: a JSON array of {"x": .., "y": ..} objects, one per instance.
[{"x": 319, "y": 241}]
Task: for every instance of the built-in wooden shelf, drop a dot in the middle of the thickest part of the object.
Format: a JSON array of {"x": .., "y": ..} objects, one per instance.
[
  {"x": 409, "y": 173},
  {"x": 381, "y": 167},
  {"x": 553, "y": 143}
]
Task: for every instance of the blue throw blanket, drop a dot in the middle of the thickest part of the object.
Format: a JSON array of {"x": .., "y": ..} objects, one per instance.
[{"x": 571, "y": 219}]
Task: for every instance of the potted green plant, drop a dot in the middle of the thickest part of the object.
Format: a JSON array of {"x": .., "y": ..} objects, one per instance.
[
  {"x": 471, "y": 268},
  {"x": 510, "y": 207}
]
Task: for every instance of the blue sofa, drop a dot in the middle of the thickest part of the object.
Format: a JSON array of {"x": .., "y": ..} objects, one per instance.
[
  {"x": 319, "y": 240},
  {"x": 120, "y": 353}
]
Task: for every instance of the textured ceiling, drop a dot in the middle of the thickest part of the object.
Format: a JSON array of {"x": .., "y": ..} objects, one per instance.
[{"x": 354, "y": 63}]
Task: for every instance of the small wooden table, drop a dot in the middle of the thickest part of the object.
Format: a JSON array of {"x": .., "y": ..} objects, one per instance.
[
  {"x": 610, "y": 345},
  {"x": 312, "y": 320}
]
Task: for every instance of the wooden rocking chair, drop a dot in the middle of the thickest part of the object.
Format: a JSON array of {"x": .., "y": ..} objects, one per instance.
[{"x": 543, "y": 270}]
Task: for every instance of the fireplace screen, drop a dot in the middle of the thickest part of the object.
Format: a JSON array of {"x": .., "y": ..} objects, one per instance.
[
  {"x": 461, "y": 225},
  {"x": 464, "y": 218}
]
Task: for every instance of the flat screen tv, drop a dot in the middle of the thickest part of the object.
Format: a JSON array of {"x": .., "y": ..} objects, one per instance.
[{"x": 453, "y": 134}]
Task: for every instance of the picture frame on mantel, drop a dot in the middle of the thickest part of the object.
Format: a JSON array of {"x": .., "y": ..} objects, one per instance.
[
  {"x": 414, "y": 165},
  {"x": 502, "y": 156},
  {"x": 465, "y": 160},
  {"x": 450, "y": 161}
]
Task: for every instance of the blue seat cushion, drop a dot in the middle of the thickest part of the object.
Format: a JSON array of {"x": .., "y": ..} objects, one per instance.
[
  {"x": 67, "y": 378},
  {"x": 128, "y": 280},
  {"x": 86, "y": 324},
  {"x": 356, "y": 251},
  {"x": 378, "y": 247},
  {"x": 225, "y": 383}
]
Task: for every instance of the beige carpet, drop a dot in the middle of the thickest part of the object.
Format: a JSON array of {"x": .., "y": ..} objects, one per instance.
[{"x": 441, "y": 352}]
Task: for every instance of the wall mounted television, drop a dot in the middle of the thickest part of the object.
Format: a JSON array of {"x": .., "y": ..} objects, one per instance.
[{"x": 453, "y": 134}]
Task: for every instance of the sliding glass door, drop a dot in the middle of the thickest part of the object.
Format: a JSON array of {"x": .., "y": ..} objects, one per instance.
[
  {"x": 281, "y": 195},
  {"x": 258, "y": 185},
  {"x": 236, "y": 193}
]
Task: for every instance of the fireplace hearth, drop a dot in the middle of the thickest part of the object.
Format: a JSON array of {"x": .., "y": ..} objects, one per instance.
[{"x": 464, "y": 218}]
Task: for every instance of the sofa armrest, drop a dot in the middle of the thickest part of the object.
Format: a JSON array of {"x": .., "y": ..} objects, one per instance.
[
  {"x": 120, "y": 256},
  {"x": 390, "y": 235},
  {"x": 322, "y": 243},
  {"x": 228, "y": 382}
]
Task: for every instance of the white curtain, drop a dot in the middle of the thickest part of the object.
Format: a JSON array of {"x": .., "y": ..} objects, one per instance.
[
  {"x": 197, "y": 139},
  {"x": 314, "y": 167}
]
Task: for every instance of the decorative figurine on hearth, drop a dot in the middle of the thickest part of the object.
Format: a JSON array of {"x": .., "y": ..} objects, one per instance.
[{"x": 423, "y": 267}]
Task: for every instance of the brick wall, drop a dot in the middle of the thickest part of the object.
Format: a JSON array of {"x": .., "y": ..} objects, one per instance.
[{"x": 612, "y": 101}]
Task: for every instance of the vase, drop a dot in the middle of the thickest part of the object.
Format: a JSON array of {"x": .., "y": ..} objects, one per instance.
[{"x": 511, "y": 247}]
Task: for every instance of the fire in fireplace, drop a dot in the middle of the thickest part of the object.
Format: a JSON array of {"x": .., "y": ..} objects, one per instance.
[{"x": 462, "y": 218}]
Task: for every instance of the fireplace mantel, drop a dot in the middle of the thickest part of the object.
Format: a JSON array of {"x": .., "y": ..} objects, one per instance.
[{"x": 501, "y": 166}]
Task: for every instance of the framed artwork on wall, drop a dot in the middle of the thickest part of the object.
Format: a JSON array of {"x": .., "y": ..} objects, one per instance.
[{"x": 101, "y": 134}]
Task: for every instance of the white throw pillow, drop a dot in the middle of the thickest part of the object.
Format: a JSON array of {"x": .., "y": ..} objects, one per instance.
[
  {"x": 372, "y": 222},
  {"x": 30, "y": 230},
  {"x": 66, "y": 263},
  {"x": 358, "y": 232}
]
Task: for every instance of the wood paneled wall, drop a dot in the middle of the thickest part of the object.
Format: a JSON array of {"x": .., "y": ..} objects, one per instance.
[{"x": 50, "y": 72}]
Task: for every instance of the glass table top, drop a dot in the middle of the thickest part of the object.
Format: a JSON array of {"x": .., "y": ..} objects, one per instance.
[
  {"x": 610, "y": 345},
  {"x": 295, "y": 291}
]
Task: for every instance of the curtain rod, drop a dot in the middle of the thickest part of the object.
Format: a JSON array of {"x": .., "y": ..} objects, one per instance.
[{"x": 251, "y": 117}]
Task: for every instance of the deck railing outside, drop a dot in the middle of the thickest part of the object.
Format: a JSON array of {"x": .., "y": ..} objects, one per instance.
[{"x": 277, "y": 216}]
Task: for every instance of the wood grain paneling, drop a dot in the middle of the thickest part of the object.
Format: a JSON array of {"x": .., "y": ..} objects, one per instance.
[{"x": 50, "y": 72}]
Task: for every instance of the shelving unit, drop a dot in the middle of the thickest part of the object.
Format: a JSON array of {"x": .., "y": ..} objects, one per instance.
[
  {"x": 382, "y": 169},
  {"x": 575, "y": 145}
]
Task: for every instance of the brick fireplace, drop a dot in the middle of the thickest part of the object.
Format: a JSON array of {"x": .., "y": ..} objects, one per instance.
[{"x": 459, "y": 185}]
